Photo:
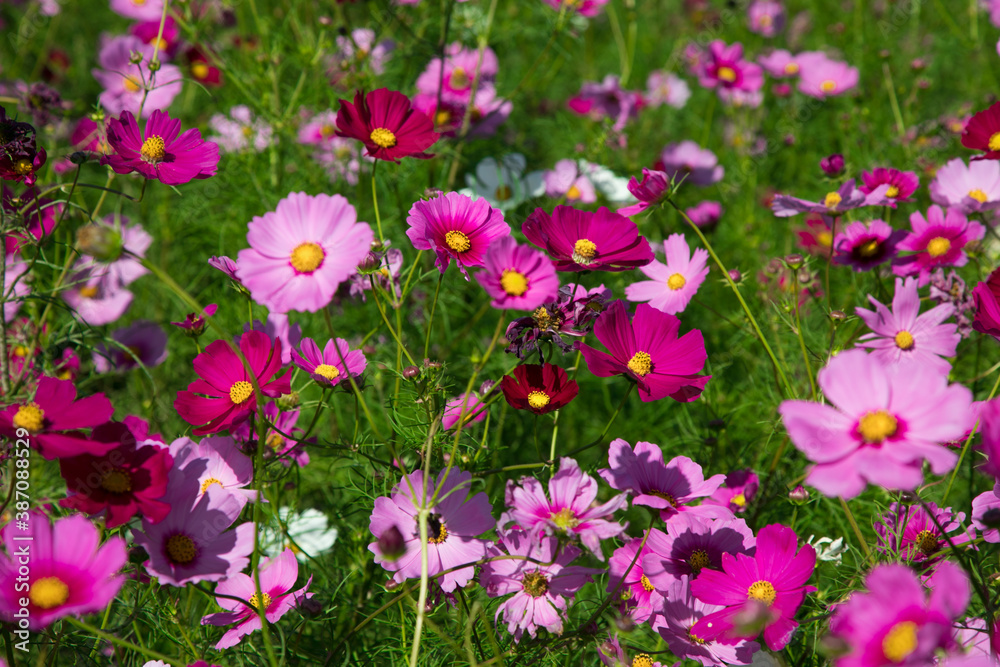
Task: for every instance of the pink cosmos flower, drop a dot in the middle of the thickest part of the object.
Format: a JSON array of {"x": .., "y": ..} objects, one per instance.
[
  {"x": 779, "y": 63},
  {"x": 161, "y": 150},
  {"x": 224, "y": 396},
  {"x": 653, "y": 189},
  {"x": 486, "y": 111},
  {"x": 773, "y": 578},
  {"x": 341, "y": 160},
  {"x": 584, "y": 241},
  {"x": 681, "y": 611},
  {"x": 639, "y": 599},
  {"x": 69, "y": 574},
  {"x": 540, "y": 585},
  {"x": 144, "y": 342},
  {"x": 277, "y": 579},
  {"x": 903, "y": 336},
  {"x": 467, "y": 408},
  {"x": 54, "y": 418},
  {"x": 611, "y": 654},
  {"x": 95, "y": 299},
  {"x": 737, "y": 492},
  {"x": 133, "y": 87},
  {"x": 821, "y": 77},
  {"x": 881, "y": 425},
  {"x": 565, "y": 180},
  {"x": 865, "y": 246},
  {"x": 455, "y": 521},
  {"x": 901, "y": 184},
  {"x": 16, "y": 284},
  {"x": 588, "y": 8},
  {"x": 671, "y": 286},
  {"x": 648, "y": 351},
  {"x": 571, "y": 511},
  {"x": 835, "y": 203},
  {"x": 666, "y": 88},
  {"x": 121, "y": 244},
  {"x": 357, "y": 49},
  {"x": 896, "y": 622},
  {"x": 461, "y": 67},
  {"x": 691, "y": 163},
  {"x": 705, "y": 214},
  {"x": 240, "y": 130},
  {"x": 301, "y": 252},
  {"x": 767, "y": 17},
  {"x": 725, "y": 69},
  {"x": 455, "y": 227},
  {"x": 606, "y": 99},
  {"x": 937, "y": 240},
  {"x": 670, "y": 487},
  {"x": 214, "y": 462},
  {"x": 517, "y": 277},
  {"x": 986, "y": 512},
  {"x": 277, "y": 327},
  {"x": 987, "y": 303},
  {"x": 331, "y": 366},
  {"x": 139, "y": 10},
  {"x": 692, "y": 544},
  {"x": 971, "y": 188},
  {"x": 320, "y": 129},
  {"x": 909, "y": 532}
]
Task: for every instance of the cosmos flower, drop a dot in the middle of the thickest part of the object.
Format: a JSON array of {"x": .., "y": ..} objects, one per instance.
[
  {"x": 737, "y": 492},
  {"x": 691, "y": 163},
  {"x": 909, "y": 532},
  {"x": 606, "y": 99},
  {"x": 724, "y": 68},
  {"x": 570, "y": 316},
  {"x": 565, "y": 180},
  {"x": 486, "y": 112},
  {"x": 971, "y": 188},
  {"x": 517, "y": 277},
  {"x": 160, "y": 150},
  {"x": 648, "y": 351},
  {"x": 461, "y": 67},
  {"x": 455, "y": 521},
  {"x": 134, "y": 87},
  {"x": 357, "y": 49},
  {"x": 779, "y": 64},
  {"x": 470, "y": 405},
  {"x": 301, "y": 252},
  {"x": 503, "y": 183},
  {"x": 34, "y": 223},
  {"x": 139, "y": 10},
  {"x": 671, "y": 286},
  {"x": 240, "y": 131},
  {"x": 987, "y": 298},
  {"x": 540, "y": 388},
  {"x": 691, "y": 544},
  {"x": 937, "y": 240},
  {"x": 653, "y": 188},
  {"x": 982, "y": 133},
  {"x": 168, "y": 39},
  {"x": 213, "y": 462},
  {"x": 20, "y": 157},
  {"x": 821, "y": 77},
  {"x": 142, "y": 342},
  {"x": 331, "y": 366},
  {"x": 639, "y": 599},
  {"x": 666, "y": 88},
  {"x": 880, "y": 426},
  {"x": 385, "y": 122},
  {"x": 767, "y": 17},
  {"x": 901, "y": 184},
  {"x": 307, "y": 533},
  {"x": 584, "y": 241},
  {"x": 705, "y": 214},
  {"x": 865, "y": 246},
  {"x": 834, "y": 203},
  {"x": 194, "y": 324},
  {"x": 611, "y": 654},
  {"x": 455, "y": 227}
]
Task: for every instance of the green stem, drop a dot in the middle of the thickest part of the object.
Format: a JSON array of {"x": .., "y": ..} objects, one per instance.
[
  {"x": 802, "y": 344},
  {"x": 106, "y": 636},
  {"x": 968, "y": 442},
  {"x": 378, "y": 218},
  {"x": 607, "y": 427},
  {"x": 856, "y": 529},
  {"x": 430, "y": 319}
]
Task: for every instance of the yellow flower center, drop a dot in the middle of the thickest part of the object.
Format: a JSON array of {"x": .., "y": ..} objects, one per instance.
[
  {"x": 828, "y": 86},
  {"x": 383, "y": 137},
  {"x": 132, "y": 84},
  {"x": 153, "y": 150},
  {"x": 695, "y": 638},
  {"x": 792, "y": 68},
  {"x": 900, "y": 641},
  {"x": 459, "y": 79},
  {"x": 869, "y": 249},
  {"x": 832, "y": 199},
  {"x": 642, "y": 660},
  {"x": 646, "y": 584},
  {"x": 535, "y": 584},
  {"x": 538, "y": 399},
  {"x": 584, "y": 251},
  {"x": 995, "y": 142},
  {"x": 640, "y": 364},
  {"x": 240, "y": 391},
  {"x": 24, "y": 167},
  {"x": 457, "y": 241},
  {"x": 727, "y": 74},
  {"x": 573, "y": 192},
  {"x": 307, "y": 257},
  {"x": 116, "y": 480},
  {"x": 275, "y": 441},
  {"x": 48, "y": 592},
  {"x": 209, "y": 482},
  {"x": 825, "y": 239},
  {"x": 329, "y": 372},
  {"x": 442, "y": 118},
  {"x": 676, "y": 281},
  {"x": 875, "y": 427},
  {"x": 255, "y": 601},
  {"x": 514, "y": 282},
  {"x": 978, "y": 195},
  {"x": 565, "y": 519},
  {"x": 665, "y": 496},
  {"x": 762, "y": 591},
  {"x": 927, "y": 542},
  {"x": 88, "y": 291},
  {"x": 247, "y": 131},
  {"x": 739, "y": 500},
  {"x": 892, "y": 192},
  {"x": 698, "y": 560},
  {"x": 30, "y": 417},
  {"x": 181, "y": 549},
  {"x": 938, "y": 246},
  {"x": 199, "y": 70},
  {"x": 904, "y": 340},
  {"x": 436, "y": 530}
]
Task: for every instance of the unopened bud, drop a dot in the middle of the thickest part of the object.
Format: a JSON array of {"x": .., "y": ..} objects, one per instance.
[
  {"x": 101, "y": 242},
  {"x": 288, "y": 401},
  {"x": 735, "y": 275},
  {"x": 78, "y": 157},
  {"x": 137, "y": 555},
  {"x": 154, "y": 65},
  {"x": 310, "y": 607},
  {"x": 135, "y": 57},
  {"x": 411, "y": 372},
  {"x": 832, "y": 165},
  {"x": 838, "y": 315},
  {"x": 391, "y": 544},
  {"x": 798, "y": 495},
  {"x": 794, "y": 261}
]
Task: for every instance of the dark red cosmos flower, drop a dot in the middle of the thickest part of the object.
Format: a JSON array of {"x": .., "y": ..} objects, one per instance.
[
  {"x": 20, "y": 158},
  {"x": 387, "y": 124},
  {"x": 584, "y": 241},
  {"x": 987, "y": 297},
  {"x": 130, "y": 478},
  {"x": 53, "y": 419},
  {"x": 161, "y": 151},
  {"x": 982, "y": 133},
  {"x": 201, "y": 68},
  {"x": 540, "y": 388}
]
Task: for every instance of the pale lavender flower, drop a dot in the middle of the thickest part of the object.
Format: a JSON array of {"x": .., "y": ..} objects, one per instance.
[
  {"x": 240, "y": 131},
  {"x": 565, "y": 180},
  {"x": 142, "y": 342},
  {"x": 666, "y": 88},
  {"x": 695, "y": 165}
]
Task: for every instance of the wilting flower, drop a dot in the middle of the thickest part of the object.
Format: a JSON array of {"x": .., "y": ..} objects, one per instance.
[
  {"x": 466, "y": 408},
  {"x": 517, "y": 277},
  {"x": 835, "y": 203},
  {"x": 133, "y": 87},
  {"x": 606, "y": 99},
  {"x": 240, "y": 130},
  {"x": 691, "y": 544},
  {"x": 161, "y": 150},
  {"x": 937, "y": 240},
  {"x": 821, "y": 77},
  {"x": 692, "y": 164},
  {"x": 865, "y": 246},
  {"x": 901, "y": 184},
  {"x": 142, "y": 342},
  {"x": 20, "y": 158},
  {"x": 971, "y": 188},
  {"x": 301, "y": 252},
  {"x": 909, "y": 532},
  {"x": 774, "y": 577},
  {"x": 504, "y": 184},
  {"x": 982, "y": 133},
  {"x": 453, "y": 524},
  {"x": 455, "y": 227},
  {"x": 570, "y": 316},
  {"x": 639, "y": 599},
  {"x": 880, "y": 426},
  {"x": 384, "y": 121},
  {"x": 737, "y": 492},
  {"x": 666, "y": 88},
  {"x": 671, "y": 286},
  {"x": 584, "y": 241},
  {"x": 648, "y": 351},
  {"x": 540, "y": 388}
]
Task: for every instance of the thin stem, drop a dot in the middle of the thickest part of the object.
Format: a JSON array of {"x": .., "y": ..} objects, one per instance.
[
  {"x": 607, "y": 427},
  {"x": 856, "y": 529},
  {"x": 802, "y": 344},
  {"x": 430, "y": 319},
  {"x": 106, "y": 636},
  {"x": 968, "y": 442},
  {"x": 378, "y": 218}
]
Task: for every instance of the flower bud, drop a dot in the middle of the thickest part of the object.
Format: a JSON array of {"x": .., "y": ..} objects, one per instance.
[
  {"x": 735, "y": 275},
  {"x": 410, "y": 372},
  {"x": 838, "y": 315},
  {"x": 288, "y": 401},
  {"x": 78, "y": 157},
  {"x": 101, "y": 242},
  {"x": 391, "y": 544},
  {"x": 798, "y": 495},
  {"x": 991, "y": 518},
  {"x": 310, "y": 607},
  {"x": 135, "y": 57},
  {"x": 794, "y": 261},
  {"x": 832, "y": 165},
  {"x": 154, "y": 65}
]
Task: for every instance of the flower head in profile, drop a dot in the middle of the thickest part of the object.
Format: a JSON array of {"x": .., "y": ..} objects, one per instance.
[
  {"x": 585, "y": 241},
  {"x": 160, "y": 150},
  {"x": 671, "y": 286},
  {"x": 691, "y": 544},
  {"x": 517, "y": 277},
  {"x": 333, "y": 364},
  {"x": 911, "y": 532},
  {"x": 822, "y": 77},
  {"x": 901, "y": 184},
  {"x": 971, "y": 188},
  {"x": 301, "y": 252},
  {"x": 653, "y": 188},
  {"x": 835, "y": 203},
  {"x": 387, "y": 124},
  {"x": 982, "y": 133},
  {"x": 640, "y": 599},
  {"x": 606, "y": 99},
  {"x": 455, "y": 226},
  {"x": 455, "y": 521},
  {"x": 865, "y": 246},
  {"x": 880, "y": 425},
  {"x": 466, "y": 408},
  {"x": 539, "y": 388},
  {"x": 648, "y": 351},
  {"x": 612, "y": 654},
  {"x": 936, "y": 241},
  {"x": 772, "y": 583}
]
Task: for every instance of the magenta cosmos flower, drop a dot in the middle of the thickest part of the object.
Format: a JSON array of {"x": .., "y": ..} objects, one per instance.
[
  {"x": 691, "y": 163},
  {"x": 277, "y": 579},
  {"x": 588, "y": 8},
  {"x": 725, "y": 68},
  {"x": 584, "y": 241},
  {"x": 737, "y": 492},
  {"x": 385, "y": 122},
  {"x": 774, "y": 577},
  {"x": 865, "y": 246},
  {"x": 904, "y": 336},
  {"x": 881, "y": 425},
  {"x": 540, "y": 388},
  {"x": 821, "y": 77},
  {"x": 653, "y": 188},
  {"x": 691, "y": 544},
  {"x": 982, "y": 133},
  {"x": 467, "y": 408},
  {"x": 936, "y": 241},
  {"x": 606, "y": 99},
  {"x": 648, "y": 351},
  {"x": 455, "y": 227},
  {"x": 971, "y": 188},
  {"x": 517, "y": 277},
  {"x": 901, "y": 184},
  {"x": 671, "y": 286},
  {"x": 455, "y": 520},
  {"x": 670, "y": 487},
  {"x": 69, "y": 573},
  {"x": 301, "y": 252},
  {"x": 987, "y": 297},
  {"x": 160, "y": 150},
  {"x": 896, "y": 621},
  {"x": 540, "y": 585},
  {"x": 572, "y": 510},
  {"x": 53, "y": 420},
  {"x": 224, "y": 396},
  {"x": 331, "y": 366},
  {"x": 911, "y": 532},
  {"x": 625, "y": 575}
]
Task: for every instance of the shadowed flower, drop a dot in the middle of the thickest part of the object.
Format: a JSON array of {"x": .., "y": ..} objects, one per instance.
[
  {"x": 584, "y": 241},
  {"x": 457, "y": 227},
  {"x": 385, "y": 122},
  {"x": 865, "y": 246},
  {"x": 503, "y": 183},
  {"x": 540, "y": 388},
  {"x": 160, "y": 150},
  {"x": 461, "y": 68},
  {"x": 835, "y": 203},
  {"x": 213, "y": 462},
  {"x": 672, "y": 285},
  {"x": 737, "y": 492},
  {"x": 692, "y": 164},
  {"x": 909, "y": 532},
  {"x": 142, "y": 342},
  {"x": 566, "y": 180},
  {"x": 692, "y": 544},
  {"x": 901, "y": 184}
]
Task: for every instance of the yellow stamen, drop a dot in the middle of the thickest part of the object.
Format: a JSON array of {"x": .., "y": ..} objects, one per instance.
[
  {"x": 24, "y": 167},
  {"x": 995, "y": 142},
  {"x": 457, "y": 241},
  {"x": 514, "y": 282},
  {"x": 904, "y": 340},
  {"x": 329, "y": 372},
  {"x": 30, "y": 417},
  {"x": 727, "y": 74},
  {"x": 792, "y": 68},
  {"x": 89, "y": 291},
  {"x": 698, "y": 560},
  {"x": 676, "y": 281},
  {"x": 642, "y": 660},
  {"x": 48, "y": 592},
  {"x": 739, "y": 500},
  {"x": 762, "y": 591},
  {"x": 868, "y": 249},
  {"x": 900, "y": 641},
  {"x": 383, "y": 137},
  {"x": 832, "y": 199},
  {"x": 538, "y": 399},
  {"x": 255, "y": 601},
  {"x": 875, "y": 427},
  {"x": 436, "y": 530},
  {"x": 459, "y": 79},
  {"x": 892, "y": 192},
  {"x": 640, "y": 364},
  {"x": 828, "y": 86},
  {"x": 927, "y": 542},
  {"x": 535, "y": 584},
  {"x": 240, "y": 391},
  {"x": 307, "y": 257},
  {"x": 209, "y": 482},
  {"x": 573, "y": 193},
  {"x": 978, "y": 195},
  {"x": 153, "y": 150},
  {"x": 565, "y": 519},
  {"x": 938, "y": 246},
  {"x": 132, "y": 84},
  {"x": 825, "y": 239},
  {"x": 442, "y": 118},
  {"x": 199, "y": 70},
  {"x": 647, "y": 585},
  {"x": 584, "y": 251}
]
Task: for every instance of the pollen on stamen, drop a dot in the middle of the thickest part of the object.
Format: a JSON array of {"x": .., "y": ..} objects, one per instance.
[
  {"x": 584, "y": 251},
  {"x": 995, "y": 142},
  {"x": 828, "y": 86},
  {"x": 153, "y": 150},
  {"x": 514, "y": 282},
  {"x": 382, "y": 137},
  {"x": 978, "y": 195},
  {"x": 831, "y": 200},
  {"x": 874, "y": 427},
  {"x": 457, "y": 241},
  {"x": 904, "y": 340},
  {"x": 938, "y": 246},
  {"x": 538, "y": 399},
  {"x": 641, "y": 363},
  {"x": 676, "y": 282},
  {"x": 892, "y": 192},
  {"x": 727, "y": 74}
]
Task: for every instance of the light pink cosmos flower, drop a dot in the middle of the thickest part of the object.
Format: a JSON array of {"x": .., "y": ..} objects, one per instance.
[
  {"x": 692, "y": 544},
  {"x": 140, "y": 10},
  {"x": 331, "y": 366},
  {"x": 320, "y": 129},
  {"x": 911, "y": 533},
  {"x": 572, "y": 510},
  {"x": 517, "y": 276},
  {"x": 277, "y": 579},
  {"x": 470, "y": 405},
  {"x": 455, "y": 227},
  {"x": 881, "y": 425},
  {"x": 835, "y": 203},
  {"x": 779, "y": 64},
  {"x": 903, "y": 336},
  {"x": 240, "y": 130},
  {"x": 357, "y": 49},
  {"x": 341, "y": 158},
  {"x": 216, "y": 461},
  {"x": 821, "y": 77},
  {"x": 970, "y": 188},
  {"x": 461, "y": 68},
  {"x": 670, "y": 487},
  {"x": 15, "y": 284},
  {"x": 671, "y": 286},
  {"x": 666, "y": 88},
  {"x": 639, "y": 599},
  {"x": 94, "y": 299},
  {"x": 565, "y": 180},
  {"x": 692, "y": 163},
  {"x": 937, "y": 240},
  {"x": 540, "y": 585},
  {"x": 125, "y": 84},
  {"x": 455, "y": 521},
  {"x": 767, "y": 17},
  {"x": 301, "y": 252}
]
